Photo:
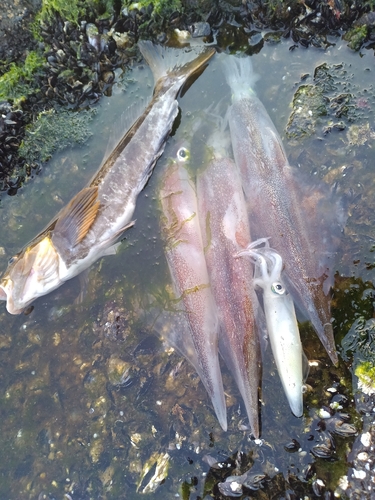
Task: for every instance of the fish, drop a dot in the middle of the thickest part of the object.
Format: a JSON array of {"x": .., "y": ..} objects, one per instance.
[
  {"x": 91, "y": 224},
  {"x": 281, "y": 321},
  {"x": 196, "y": 314},
  {"x": 275, "y": 193},
  {"x": 225, "y": 229}
]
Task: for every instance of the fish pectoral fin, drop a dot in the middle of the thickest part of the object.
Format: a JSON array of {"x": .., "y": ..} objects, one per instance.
[
  {"x": 111, "y": 245},
  {"x": 78, "y": 216},
  {"x": 83, "y": 282},
  {"x": 112, "y": 250}
]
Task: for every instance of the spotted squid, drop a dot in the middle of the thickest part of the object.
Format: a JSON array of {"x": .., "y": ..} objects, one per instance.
[
  {"x": 225, "y": 229},
  {"x": 275, "y": 195},
  {"x": 196, "y": 312}
]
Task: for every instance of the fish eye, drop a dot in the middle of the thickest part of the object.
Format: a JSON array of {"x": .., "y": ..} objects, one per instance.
[
  {"x": 278, "y": 288},
  {"x": 183, "y": 154},
  {"x": 12, "y": 259}
]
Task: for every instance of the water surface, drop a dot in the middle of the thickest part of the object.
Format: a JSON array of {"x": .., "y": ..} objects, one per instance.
[{"x": 93, "y": 405}]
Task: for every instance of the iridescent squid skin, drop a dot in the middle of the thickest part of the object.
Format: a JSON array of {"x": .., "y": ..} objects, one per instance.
[
  {"x": 225, "y": 228},
  {"x": 196, "y": 313},
  {"x": 275, "y": 196},
  {"x": 281, "y": 322}
]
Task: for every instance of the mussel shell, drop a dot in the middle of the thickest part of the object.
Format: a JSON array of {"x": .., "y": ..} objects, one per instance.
[
  {"x": 321, "y": 451},
  {"x": 318, "y": 487}
]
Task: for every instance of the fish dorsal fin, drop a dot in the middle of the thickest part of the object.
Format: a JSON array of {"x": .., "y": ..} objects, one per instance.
[{"x": 77, "y": 217}]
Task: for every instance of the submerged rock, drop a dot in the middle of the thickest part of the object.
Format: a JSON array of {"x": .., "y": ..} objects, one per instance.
[{"x": 309, "y": 103}]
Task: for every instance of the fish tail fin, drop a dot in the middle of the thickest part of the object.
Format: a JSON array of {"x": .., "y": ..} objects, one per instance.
[
  {"x": 169, "y": 64},
  {"x": 240, "y": 75}
]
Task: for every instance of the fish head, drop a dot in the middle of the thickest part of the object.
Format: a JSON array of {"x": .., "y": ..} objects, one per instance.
[{"x": 31, "y": 273}]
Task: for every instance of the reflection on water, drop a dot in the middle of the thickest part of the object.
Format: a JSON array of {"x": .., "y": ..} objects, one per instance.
[{"x": 95, "y": 406}]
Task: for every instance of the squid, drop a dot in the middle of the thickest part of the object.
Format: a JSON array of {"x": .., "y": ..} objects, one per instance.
[{"x": 281, "y": 321}]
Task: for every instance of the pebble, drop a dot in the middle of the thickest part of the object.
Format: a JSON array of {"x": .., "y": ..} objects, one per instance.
[
  {"x": 366, "y": 439},
  {"x": 324, "y": 413},
  {"x": 359, "y": 474}
]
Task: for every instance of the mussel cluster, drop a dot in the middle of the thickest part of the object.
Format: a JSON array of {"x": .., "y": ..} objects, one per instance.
[
  {"x": 81, "y": 59},
  {"x": 11, "y": 126},
  {"x": 240, "y": 475}
]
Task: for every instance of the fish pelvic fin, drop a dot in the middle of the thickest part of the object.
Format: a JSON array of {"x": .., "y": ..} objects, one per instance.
[
  {"x": 77, "y": 217},
  {"x": 329, "y": 343},
  {"x": 170, "y": 64}
]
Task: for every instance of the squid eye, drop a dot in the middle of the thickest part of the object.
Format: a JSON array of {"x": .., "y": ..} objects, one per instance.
[
  {"x": 183, "y": 154},
  {"x": 278, "y": 288}
]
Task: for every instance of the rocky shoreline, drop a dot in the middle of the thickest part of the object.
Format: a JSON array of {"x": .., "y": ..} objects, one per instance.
[{"x": 80, "y": 57}]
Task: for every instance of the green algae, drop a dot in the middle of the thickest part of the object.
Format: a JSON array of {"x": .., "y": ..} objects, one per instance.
[
  {"x": 54, "y": 131},
  {"x": 309, "y": 103},
  {"x": 70, "y": 10},
  {"x": 366, "y": 377},
  {"x": 356, "y": 37},
  {"x": 332, "y": 102},
  {"x": 161, "y": 8},
  {"x": 73, "y": 10},
  {"x": 19, "y": 81}
]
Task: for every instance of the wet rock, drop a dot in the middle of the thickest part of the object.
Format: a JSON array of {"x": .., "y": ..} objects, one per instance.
[
  {"x": 5, "y": 341},
  {"x": 309, "y": 103},
  {"x": 116, "y": 323},
  {"x": 200, "y": 29}
]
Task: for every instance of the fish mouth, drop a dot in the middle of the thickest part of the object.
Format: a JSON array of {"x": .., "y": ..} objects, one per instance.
[{"x": 9, "y": 302}]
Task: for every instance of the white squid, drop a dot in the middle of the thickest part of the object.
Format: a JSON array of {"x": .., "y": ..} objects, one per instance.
[{"x": 281, "y": 321}]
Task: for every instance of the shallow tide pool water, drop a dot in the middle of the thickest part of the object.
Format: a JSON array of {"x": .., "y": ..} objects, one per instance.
[{"x": 94, "y": 405}]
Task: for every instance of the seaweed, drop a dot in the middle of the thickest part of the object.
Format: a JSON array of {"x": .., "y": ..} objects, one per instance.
[
  {"x": 19, "y": 81},
  {"x": 53, "y": 131},
  {"x": 162, "y": 8},
  {"x": 74, "y": 10},
  {"x": 366, "y": 377},
  {"x": 70, "y": 10},
  {"x": 361, "y": 339},
  {"x": 356, "y": 37}
]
